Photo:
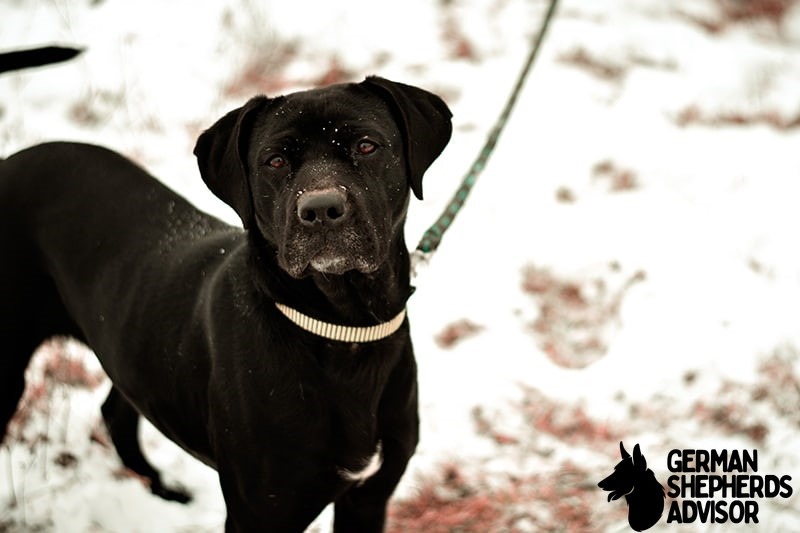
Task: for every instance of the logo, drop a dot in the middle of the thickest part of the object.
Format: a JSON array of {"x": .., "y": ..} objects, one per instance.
[
  {"x": 706, "y": 486},
  {"x": 642, "y": 491}
]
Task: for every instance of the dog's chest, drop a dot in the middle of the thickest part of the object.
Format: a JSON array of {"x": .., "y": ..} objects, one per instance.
[{"x": 356, "y": 379}]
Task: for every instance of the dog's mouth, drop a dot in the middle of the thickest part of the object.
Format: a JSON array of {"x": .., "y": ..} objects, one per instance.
[
  {"x": 615, "y": 493},
  {"x": 331, "y": 263},
  {"x": 329, "y": 253}
]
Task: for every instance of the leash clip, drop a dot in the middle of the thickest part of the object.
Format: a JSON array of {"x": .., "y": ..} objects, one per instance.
[{"x": 419, "y": 260}]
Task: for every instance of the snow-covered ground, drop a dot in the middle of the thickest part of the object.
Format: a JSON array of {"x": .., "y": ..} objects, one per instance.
[{"x": 627, "y": 268}]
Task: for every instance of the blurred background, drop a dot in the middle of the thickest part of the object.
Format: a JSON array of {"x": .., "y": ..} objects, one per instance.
[{"x": 627, "y": 268}]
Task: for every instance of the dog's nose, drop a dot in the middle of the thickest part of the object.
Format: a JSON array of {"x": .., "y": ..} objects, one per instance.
[{"x": 325, "y": 207}]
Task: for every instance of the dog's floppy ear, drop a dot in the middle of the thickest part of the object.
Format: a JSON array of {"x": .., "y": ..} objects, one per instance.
[
  {"x": 221, "y": 153},
  {"x": 424, "y": 120}
]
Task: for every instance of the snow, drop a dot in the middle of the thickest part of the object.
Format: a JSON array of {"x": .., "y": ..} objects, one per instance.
[{"x": 710, "y": 220}]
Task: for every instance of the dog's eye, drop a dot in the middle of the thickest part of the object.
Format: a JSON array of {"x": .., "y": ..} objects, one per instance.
[
  {"x": 366, "y": 147},
  {"x": 277, "y": 161}
]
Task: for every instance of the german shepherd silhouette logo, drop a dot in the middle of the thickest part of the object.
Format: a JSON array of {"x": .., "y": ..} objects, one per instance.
[{"x": 643, "y": 492}]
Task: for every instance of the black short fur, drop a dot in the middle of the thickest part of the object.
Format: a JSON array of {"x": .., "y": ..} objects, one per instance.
[{"x": 180, "y": 307}]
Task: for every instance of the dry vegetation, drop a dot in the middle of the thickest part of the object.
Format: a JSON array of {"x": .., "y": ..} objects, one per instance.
[{"x": 577, "y": 318}]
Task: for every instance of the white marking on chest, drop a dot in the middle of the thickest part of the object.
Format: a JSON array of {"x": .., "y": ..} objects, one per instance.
[{"x": 371, "y": 466}]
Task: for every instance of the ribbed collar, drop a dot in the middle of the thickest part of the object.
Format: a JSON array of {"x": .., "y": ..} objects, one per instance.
[{"x": 341, "y": 333}]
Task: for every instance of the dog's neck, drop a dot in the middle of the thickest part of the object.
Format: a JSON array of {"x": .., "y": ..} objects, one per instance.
[
  {"x": 371, "y": 298},
  {"x": 353, "y": 298}
]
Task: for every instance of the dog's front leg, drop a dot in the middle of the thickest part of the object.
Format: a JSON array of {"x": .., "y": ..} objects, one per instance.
[
  {"x": 289, "y": 511},
  {"x": 281, "y": 497},
  {"x": 362, "y": 509}
]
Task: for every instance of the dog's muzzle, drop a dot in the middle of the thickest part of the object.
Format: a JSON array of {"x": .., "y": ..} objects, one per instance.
[{"x": 330, "y": 232}]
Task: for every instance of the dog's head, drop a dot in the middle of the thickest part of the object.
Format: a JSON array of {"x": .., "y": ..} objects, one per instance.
[
  {"x": 324, "y": 175},
  {"x": 643, "y": 493},
  {"x": 626, "y": 473}
]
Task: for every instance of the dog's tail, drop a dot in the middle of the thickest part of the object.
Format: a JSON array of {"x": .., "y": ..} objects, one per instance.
[{"x": 36, "y": 57}]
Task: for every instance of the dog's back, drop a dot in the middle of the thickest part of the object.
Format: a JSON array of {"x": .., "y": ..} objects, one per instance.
[{"x": 69, "y": 212}]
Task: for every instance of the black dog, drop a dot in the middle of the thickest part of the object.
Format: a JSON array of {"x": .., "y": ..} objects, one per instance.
[
  {"x": 279, "y": 355},
  {"x": 642, "y": 491}
]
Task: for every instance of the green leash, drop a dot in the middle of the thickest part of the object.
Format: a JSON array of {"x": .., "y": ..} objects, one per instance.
[{"x": 433, "y": 236}]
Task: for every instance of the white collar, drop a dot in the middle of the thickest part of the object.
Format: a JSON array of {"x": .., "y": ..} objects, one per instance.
[{"x": 343, "y": 333}]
